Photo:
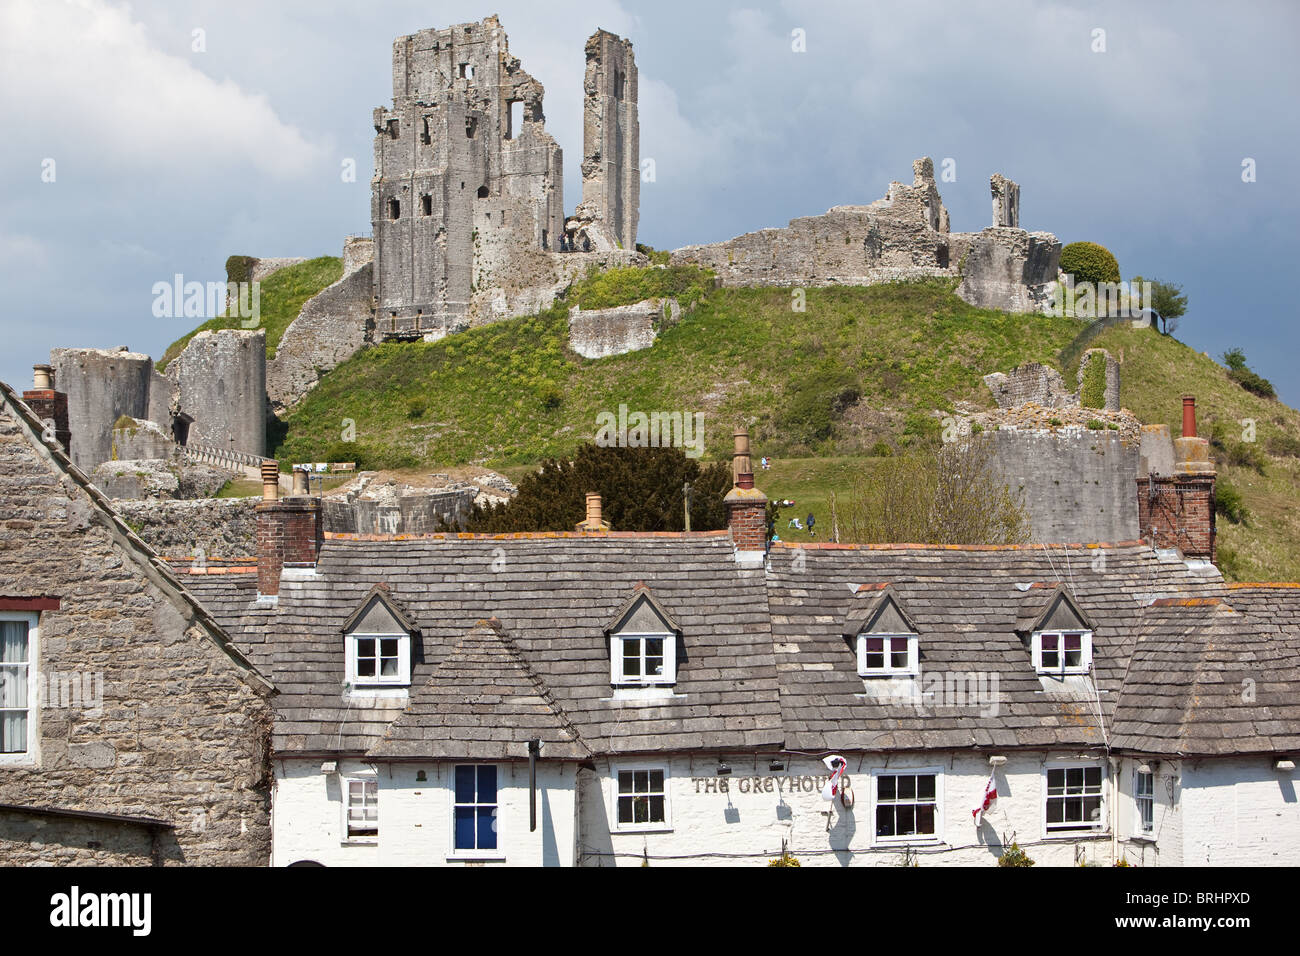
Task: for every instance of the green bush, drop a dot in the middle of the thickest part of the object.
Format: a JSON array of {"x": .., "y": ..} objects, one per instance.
[
  {"x": 1096, "y": 424},
  {"x": 1089, "y": 262},
  {"x": 1284, "y": 446},
  {"x": 1240, "y": 373},
  {"x": 240, "y": 268},
  {"x": 881, "y": 449},
  {"x": 415, "y": 407},
  {"x": 1229, "y": 503},
  {"x": 1093, "y": 392}
]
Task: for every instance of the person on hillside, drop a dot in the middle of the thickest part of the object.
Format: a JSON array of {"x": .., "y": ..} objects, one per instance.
[
  {"x": 794, "y": 523},
  {"x": 811, "y": 522}
]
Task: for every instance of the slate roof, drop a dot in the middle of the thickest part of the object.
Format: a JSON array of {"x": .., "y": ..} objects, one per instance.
[
  {"x": 1205, "y": 679},
  {"x": 764, "y": 663},
  {"x": 483, "y": 702}
]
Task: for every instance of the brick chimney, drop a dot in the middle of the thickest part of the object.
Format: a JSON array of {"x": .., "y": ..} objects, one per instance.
[
  {"x": 593, "y": 521},
  {"x": 49, "y": 405},
  {"x": 746, "y": 505},
  {"x": 289, "y": 532},
  {"x": 1177, "y": 511}
]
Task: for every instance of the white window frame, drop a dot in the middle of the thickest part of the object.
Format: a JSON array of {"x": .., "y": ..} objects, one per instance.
[
  {"x": 1085, "y": 655},
  {"x": 912, "y": 839},
  {"x": 1139, "y": 827},
  {"x": 911, "y": 669},
  {"x": 366, "y": 780},
  {"x": 28, "y": 757},
  {"x": 663, "y": 826},
  {"x": 619, "y": 679},
  {"x": 456, "y": 853},
  {"x": 403, "y": 676},
  {"x": 1073, "y": 833}
]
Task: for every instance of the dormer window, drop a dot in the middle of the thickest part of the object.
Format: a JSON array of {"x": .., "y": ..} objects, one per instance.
[
  {"x": 888, "y": 655},
  {"x": 1062, "y": 652},
  {"x": 1057, "y": 630},
  {"x": 377, "y": 643},
  {"x": 642, "y": 643},
  {"x": 884, "y": 634}
]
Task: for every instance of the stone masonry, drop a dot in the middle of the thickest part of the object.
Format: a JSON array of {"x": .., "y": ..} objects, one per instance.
[
  {"x": 611, "y": 175},
  {"x": 174, "y": 728}
]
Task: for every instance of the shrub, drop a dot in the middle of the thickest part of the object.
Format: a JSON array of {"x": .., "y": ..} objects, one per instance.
[
  {"x": 1240, "y": 373},
  {"x": 1229, "y": 503},
  {"x": 1284, "y": 446},
  {"x": 1014, "y": 856},
  {"x": 1093, "y": 392},
  {"x": 240, "y": 268},
  {"x": 1089, "y": 262},
  {"x": 1096, "y": 424},
  {"x": 881, "y": 449},
  {"x": 415, "y": 407}
]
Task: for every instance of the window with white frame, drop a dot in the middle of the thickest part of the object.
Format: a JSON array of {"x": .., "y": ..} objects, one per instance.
[
  {"x": 1073, "y": 799},
  {"x": 17, "y": 685},
  {"x": 1144, "y": 796},
  {"x": 475, "y": 808},
  {"x": 643, "y": 659},
  {"x": 642, "y": 799},
  {"x": 907, "y": 806},
  {"x": 1062, "y": 652},
  {"x": 379, "y": 660},
  {"x": 887, "y": 655},
  {"x": 361, "y": 796}
]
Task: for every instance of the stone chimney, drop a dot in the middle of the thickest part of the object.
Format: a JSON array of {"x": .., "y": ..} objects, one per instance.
[
  {"x": 593, "y": 522},
  {"x": 289, "y": 532},
  {"x": 50, "y": 406},
  {"x": 1177, "y": 510},
  {"x": 746, "y": 505}
]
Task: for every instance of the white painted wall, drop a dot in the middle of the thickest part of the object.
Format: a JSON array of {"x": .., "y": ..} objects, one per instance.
[
  {"x": 1239, "y": 811},
  {"x": 747, "y": 824},
  {"x": 415, "y": 818}
]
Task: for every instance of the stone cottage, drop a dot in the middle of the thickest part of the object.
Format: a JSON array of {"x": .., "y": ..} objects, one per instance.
[{"x": 133, "y": 730}]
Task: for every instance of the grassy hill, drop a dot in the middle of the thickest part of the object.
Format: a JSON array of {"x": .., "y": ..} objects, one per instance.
[
  {"x": 857, "y": 374},
  {"x": 281, "y": 297}
]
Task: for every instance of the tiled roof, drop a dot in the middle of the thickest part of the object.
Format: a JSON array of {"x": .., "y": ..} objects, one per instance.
[{"x": 483, "y": 702}]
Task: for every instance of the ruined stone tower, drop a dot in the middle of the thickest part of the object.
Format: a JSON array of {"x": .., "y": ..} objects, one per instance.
[
  {"x": 466, "y": 177},
  {"x": 611, "y": 132}
]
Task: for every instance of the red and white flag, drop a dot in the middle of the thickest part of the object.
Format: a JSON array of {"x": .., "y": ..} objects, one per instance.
[
  {"x": 990, "y": 799},
  {"x": 836, "y": 765}
]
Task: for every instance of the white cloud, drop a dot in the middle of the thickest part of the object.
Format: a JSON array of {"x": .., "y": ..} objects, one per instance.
[{"x": 87, "y": 79}]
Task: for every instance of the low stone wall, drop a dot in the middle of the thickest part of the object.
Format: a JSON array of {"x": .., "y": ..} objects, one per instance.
[
  {"x": 408, "y": 514},
  {"x": 221, "y": 527}
]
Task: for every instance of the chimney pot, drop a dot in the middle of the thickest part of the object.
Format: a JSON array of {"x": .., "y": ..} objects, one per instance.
[
  {"x": 1189, "y": 416},
  {"x": 593, "y": 508},
  {"x": 742, "y": 468},
  {"x": 270, "y": 480},
  {"x": 43, "y": 377},
  {"x": 300, "y": 485}
]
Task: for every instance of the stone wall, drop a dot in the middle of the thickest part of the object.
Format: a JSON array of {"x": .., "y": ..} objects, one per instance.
[
  {"x": 1077, "y": 483},
  {"x": 598, "y": 333},
  {"x": 221, "y": 381},
  {"x": 331, "y": 328},
  {"x": 178, "y": 730},
  {"x": 1109, "y": 372},
  {"x": 1031, "y": 382},
  {"x": 221, "y": 527}
]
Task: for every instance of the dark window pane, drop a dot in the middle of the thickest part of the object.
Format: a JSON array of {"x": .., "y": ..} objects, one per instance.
[
  {"x": 624, "y": 809},
  {"x": 657, "y": 810},
  {"x": 389, "y": 666},
  {"x": 365, "y": 667},
  {"x": 875, "y": 644},
  {"x": 464, "y": 784},
  {"x": 884, "y": 821},
  {"x": 1074, "y": 780},
  {"x": 1055, "y": 781},
  {"x": 487, "y": 828},
  {"x": 906, "y": 820},
  {"x": 898, "y": 655},
  {"x": 487, "y": 784},
  {"x": 365, "y": 647},
  {"x": 624, "y": 781},
  {"x": 642, "y": 806},
  {"x": 654, "y": 646},
  {"x": 1073, "y": 642},
  {"x": 925, "y": 819},
  {"x": 875, "y": 661},
  {"x": 925, "y": 787},
  {"x": 1092, "y": 776},
  {"x": 907, "y": 787},
  {"x": 1092, "y": 809},
  {"x": 388, "y": 647},
  {"x": 1055, "y": 811},
  {"x": 885, "y": 788},
  {"x": 1073, "y": 810},
  {"x": 657, "y": 781},
  {"x": 641, "y": 781},
  {"x": 654, "y": 666},
  {"x": 1050, "y": 642},
  {"x": 464, "y": 828}
]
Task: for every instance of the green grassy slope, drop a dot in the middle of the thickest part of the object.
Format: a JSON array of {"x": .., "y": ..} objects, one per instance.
[
  {"x": 860, "y": 366},
  {"x": 282, "y": 295}
]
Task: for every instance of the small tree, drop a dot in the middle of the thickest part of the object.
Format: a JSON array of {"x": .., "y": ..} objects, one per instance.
[
  {"x": 1169, "y": 302},
  {"x": 1240, "y": 373},
  {"x": 1089, "y": 262},
  {"x": 941, "y": 493}
]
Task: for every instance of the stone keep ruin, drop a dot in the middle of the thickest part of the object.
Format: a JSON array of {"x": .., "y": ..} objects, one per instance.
[{"x": 467, "y": 198}]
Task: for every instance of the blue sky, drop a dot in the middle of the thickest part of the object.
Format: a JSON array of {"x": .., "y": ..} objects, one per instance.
[{"x": 168, "y": 159}]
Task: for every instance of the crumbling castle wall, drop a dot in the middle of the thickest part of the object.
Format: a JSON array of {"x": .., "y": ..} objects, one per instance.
[
  {"x": 221, "y": 382},
  {"x": 1006, "y": 201},
  {"x": 331, "y": 328},
  {"x": 599, "y": 333},
  {"x": 463, "y": 167},
  {"x": 102, "y": 385},
  {"x": 611, "y": 133}
]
